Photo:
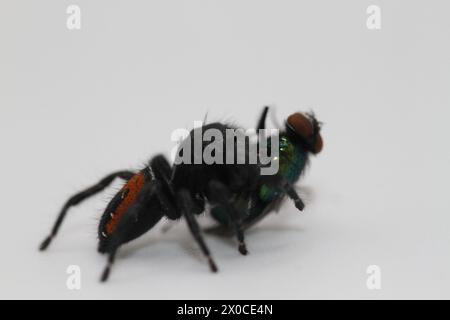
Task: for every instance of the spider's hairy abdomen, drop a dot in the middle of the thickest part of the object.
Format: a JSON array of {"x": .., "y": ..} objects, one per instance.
[{"x": 128, "y": 193}]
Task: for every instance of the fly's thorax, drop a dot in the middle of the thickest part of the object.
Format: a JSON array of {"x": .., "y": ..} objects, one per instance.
[{"x": 293, "y": 159}]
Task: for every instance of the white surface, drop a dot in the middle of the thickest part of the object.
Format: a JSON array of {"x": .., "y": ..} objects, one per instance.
[{"x": 77, "y": 105}]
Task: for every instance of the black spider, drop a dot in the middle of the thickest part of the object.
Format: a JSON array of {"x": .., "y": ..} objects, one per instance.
[{"x": 238, "y": 194}]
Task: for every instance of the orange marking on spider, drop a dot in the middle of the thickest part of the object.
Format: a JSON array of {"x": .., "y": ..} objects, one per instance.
[{"x": 130, "y": 190}]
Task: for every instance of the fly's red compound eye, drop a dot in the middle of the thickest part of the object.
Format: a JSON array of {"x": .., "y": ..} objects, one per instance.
[
  {"x": 318, "y": 146},
  {"x": 301, "y": 125}
]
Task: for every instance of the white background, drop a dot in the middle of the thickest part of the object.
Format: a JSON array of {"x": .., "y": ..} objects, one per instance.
[{"x": 76, "y": 105}]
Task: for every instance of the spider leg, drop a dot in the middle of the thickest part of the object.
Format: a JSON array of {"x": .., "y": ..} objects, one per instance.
[
  {"x": 262, "y": 120},
  {"x": 81, "y": 196},
  {"x": 107, "y": 270},
  {"x": 187, "y": 207},
  {"x": 220, "y": 194}
]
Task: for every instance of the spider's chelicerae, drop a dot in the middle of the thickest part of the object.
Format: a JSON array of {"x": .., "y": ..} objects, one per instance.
[{"x": 238, "y": 195}]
